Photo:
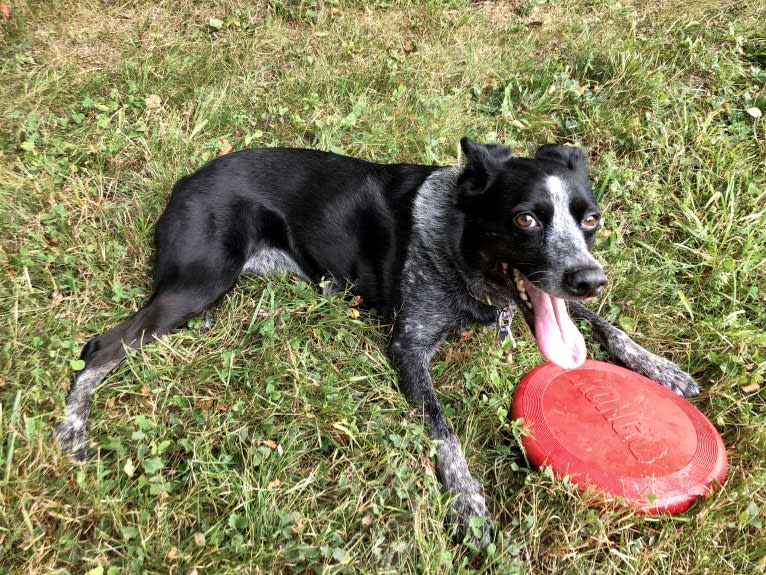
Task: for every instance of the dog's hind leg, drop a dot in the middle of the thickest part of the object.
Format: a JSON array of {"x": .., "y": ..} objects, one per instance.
[
  {"x": 208, "y": 321},
  {"x": 635, "y": 357},
  {"x": 169, "y": 307}
]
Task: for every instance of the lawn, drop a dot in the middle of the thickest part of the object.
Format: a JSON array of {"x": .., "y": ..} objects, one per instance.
[{"x": 277, "y": 442}]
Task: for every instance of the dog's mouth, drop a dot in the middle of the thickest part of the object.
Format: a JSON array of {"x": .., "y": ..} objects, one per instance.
[{"x": 547, "y": 316}]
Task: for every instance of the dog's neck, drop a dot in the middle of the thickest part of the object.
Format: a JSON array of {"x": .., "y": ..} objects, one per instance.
[{"x": 434, "y": 208}]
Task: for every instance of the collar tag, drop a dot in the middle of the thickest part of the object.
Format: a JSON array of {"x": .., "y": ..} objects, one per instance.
[{"x": 504, "y": 319}]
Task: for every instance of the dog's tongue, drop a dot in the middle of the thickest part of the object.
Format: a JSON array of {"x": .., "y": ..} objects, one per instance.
[{"x": 557, "y": 336}]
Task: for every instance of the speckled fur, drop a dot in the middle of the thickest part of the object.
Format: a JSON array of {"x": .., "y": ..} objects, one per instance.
[
  {"x": 635, "y": 357},
  {"x": 420, "y": 244}
]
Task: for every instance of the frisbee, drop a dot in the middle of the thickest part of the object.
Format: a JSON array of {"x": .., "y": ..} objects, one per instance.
[{"x": 619, "y": 434}]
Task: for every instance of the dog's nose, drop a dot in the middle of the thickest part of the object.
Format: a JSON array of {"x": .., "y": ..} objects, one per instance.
[{"x": 584, "y": 282}]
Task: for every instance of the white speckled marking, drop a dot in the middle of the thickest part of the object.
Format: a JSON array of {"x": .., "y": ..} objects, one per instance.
[{"x": 565, "y": 242}]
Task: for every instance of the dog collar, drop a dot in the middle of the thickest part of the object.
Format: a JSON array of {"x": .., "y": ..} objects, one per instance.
[{"x": 504, "y": 317}]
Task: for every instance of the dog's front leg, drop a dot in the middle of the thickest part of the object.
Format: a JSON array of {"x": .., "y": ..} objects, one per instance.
[
  {"x": 635, "y": 357},
  {"x": 412, "y": 347}
]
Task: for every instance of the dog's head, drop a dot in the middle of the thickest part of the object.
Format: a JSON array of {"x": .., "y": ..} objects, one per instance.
[{"x": 530, "y": 224}]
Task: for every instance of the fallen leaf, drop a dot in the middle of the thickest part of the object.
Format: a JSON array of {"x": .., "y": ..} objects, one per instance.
[
  {"x": 224, "y": 147},
  {"x": 56, "y": 296},
  {"x": 274, "y": 484},
  {"x": 298, "y": 525},
  {"x": 270, "y": 443},
  {"x": 455, "y": 355},
  {"x": 153, "y": 102},
  {"x": 5, "y": 11},
  {"x": 172, "y": 553},
  {"x": 752, "y": 388}
]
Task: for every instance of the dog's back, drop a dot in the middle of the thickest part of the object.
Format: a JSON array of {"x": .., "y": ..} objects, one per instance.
[{"x": 316, "y": 214}]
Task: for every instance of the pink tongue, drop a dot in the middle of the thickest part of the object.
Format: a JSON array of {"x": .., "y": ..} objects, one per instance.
[{"x": 557, "y": 337}]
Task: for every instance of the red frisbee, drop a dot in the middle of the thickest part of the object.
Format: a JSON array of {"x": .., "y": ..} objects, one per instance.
[{"x": 620, "y": 434}]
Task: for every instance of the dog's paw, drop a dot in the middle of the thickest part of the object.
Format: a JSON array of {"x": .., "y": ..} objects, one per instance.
[
  {"x": 473, "y": 525},
  {"x": 208, "y": 322},
  {"x": 668, "y": 374},
  {"x": 73, "y": 438}
]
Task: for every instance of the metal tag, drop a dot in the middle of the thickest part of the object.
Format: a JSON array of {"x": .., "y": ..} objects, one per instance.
[{"x": 504, "y": 319}]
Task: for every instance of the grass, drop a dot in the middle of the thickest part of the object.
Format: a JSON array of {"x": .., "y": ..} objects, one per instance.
[{"x": 277, "y": 443}]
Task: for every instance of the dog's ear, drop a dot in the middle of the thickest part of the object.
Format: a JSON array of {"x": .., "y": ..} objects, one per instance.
[
  {"x": 569, "y": 156},
  {"x": 482, "y": 163},
  {"x": 484, "y": 154}
]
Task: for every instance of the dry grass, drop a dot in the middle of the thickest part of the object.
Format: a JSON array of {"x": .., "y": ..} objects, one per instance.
[{"x": 277, "y": 443}]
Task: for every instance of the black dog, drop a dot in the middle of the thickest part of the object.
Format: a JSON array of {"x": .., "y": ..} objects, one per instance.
[{"x": 431, "y": 249}]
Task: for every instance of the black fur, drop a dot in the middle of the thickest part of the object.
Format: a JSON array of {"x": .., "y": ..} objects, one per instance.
[{"x": 431, "y": 249}]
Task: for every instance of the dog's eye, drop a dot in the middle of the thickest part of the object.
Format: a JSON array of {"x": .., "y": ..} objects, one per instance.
[
  {"x": 525, "y": 221},
  {"x": 591, "y": 221}
]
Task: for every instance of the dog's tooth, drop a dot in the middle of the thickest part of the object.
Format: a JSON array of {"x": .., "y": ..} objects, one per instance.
[{"x": 518, "y": 281}]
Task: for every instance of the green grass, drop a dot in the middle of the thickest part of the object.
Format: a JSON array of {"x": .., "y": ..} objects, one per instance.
[{"x": 277, "y": 442}]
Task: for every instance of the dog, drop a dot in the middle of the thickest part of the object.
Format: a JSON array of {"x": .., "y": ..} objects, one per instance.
[{"x": 431, "y": 249}]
